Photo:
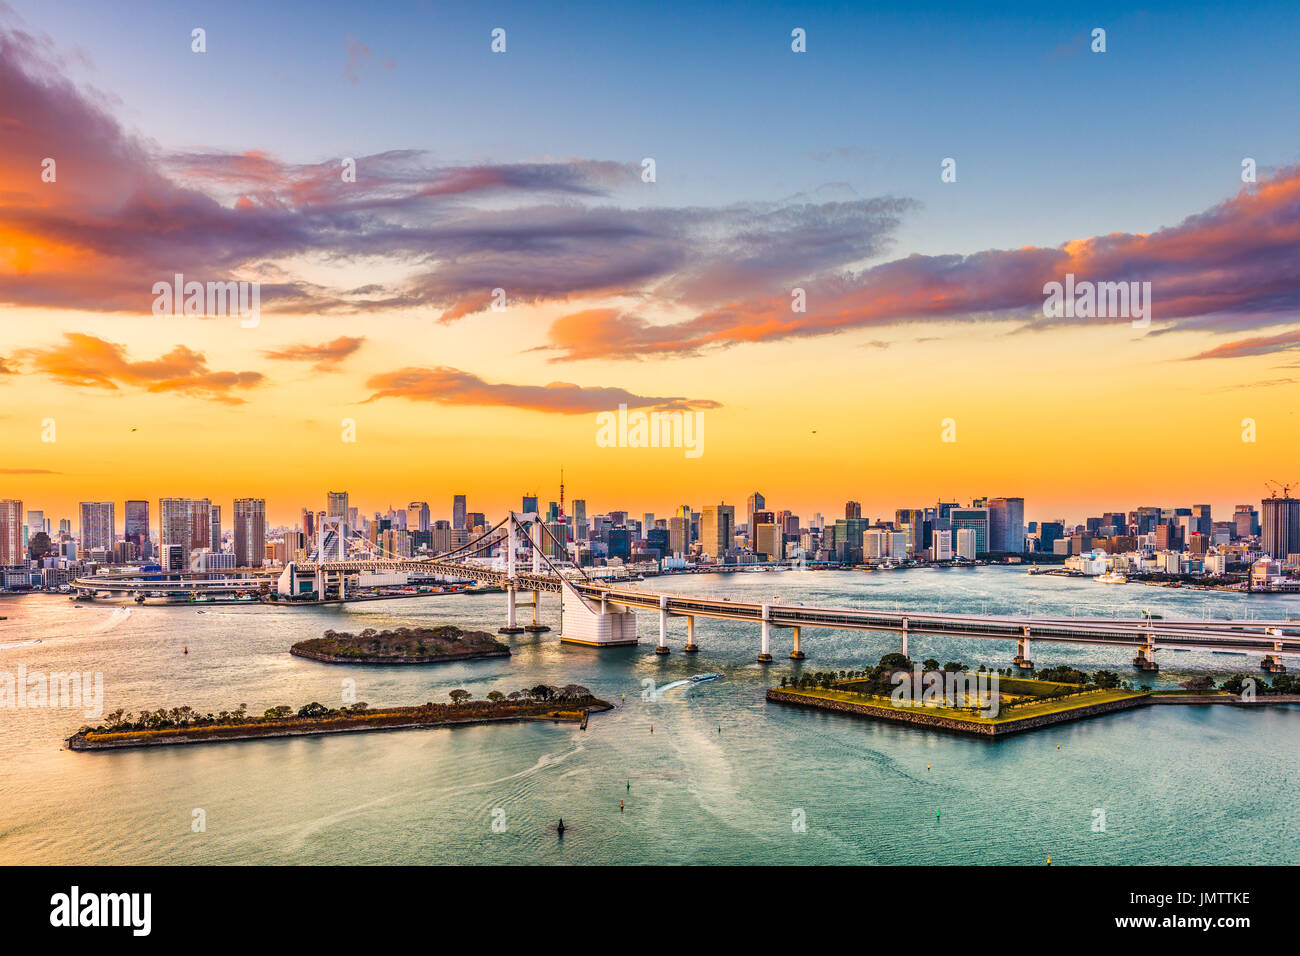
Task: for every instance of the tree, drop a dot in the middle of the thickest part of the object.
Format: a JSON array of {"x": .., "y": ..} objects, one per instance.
[
  {"x": 954, "y": 666},
  {"x": 895, "y": 660},
  {"x": 459, "y": 696},
  {"x": 496, "y": 696},
  {"x": 314, "y": 709},
  {"x": 929, "y": 664}
]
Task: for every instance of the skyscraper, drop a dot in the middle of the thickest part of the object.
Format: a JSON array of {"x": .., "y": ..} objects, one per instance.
[
  {"x": 174, "y": 533},
  {"x": 852, "y": 509},
  {"x": 1280, "y": 526},
  {"x": 975, "y": 520},
  {"x": 755, "y": 502},
  {"x": 529, "y": 504},
  {"x": 11, "y": 533},
  {"x": 214, "y": 524},
  {"x": 1007, "y": 525},
  {"x": 98, "y": 520},
  {"x": 250, "y": 532},
  {"x": 136, "y": 529},
  {"x": 417, "y": 516},
  {"x": 458, "y": 512},
  {"x": 717, "y": 528}
]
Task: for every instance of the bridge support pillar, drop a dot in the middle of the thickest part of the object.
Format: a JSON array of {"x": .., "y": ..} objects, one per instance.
[
  {"x": 765, "y": 657},
  {"x": 536, "y": 628},
  {"x": 1145, "y": 659},
  {"x": 512, "y": 625},
  {"x": 1022, "y": 659},
  {"x": 797, "y": 654},
  {"x": 1272, "y": 664},
  {"x": 905, "y": 654},
  {"x": 691, "y": 646},
  {"x": 663, "y": 625}
]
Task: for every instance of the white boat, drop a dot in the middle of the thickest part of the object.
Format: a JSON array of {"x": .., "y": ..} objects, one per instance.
[
  {"x": 701, "y": 678},
  {"x": 1111, "y": 577}
]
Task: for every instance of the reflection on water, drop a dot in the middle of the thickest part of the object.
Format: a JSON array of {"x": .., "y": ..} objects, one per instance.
[{"x": 722, "y": 778}]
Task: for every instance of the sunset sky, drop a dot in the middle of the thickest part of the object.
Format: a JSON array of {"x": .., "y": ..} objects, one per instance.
[{"x": 522, "y": 170}]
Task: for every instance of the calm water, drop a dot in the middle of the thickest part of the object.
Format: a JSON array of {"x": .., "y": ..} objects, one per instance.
[{"x": 719, "y": 780}]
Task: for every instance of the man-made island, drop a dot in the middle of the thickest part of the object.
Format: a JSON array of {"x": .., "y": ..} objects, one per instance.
[
  {"x": 992, "y": 705},
  {"x": 404, "y": 645},
  {"x": 184, "y": 725}
]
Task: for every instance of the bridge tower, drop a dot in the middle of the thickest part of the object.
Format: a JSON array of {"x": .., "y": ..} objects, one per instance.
[
  {"x": 512, "y": 543},
  {"x": 535, "y": 541}
]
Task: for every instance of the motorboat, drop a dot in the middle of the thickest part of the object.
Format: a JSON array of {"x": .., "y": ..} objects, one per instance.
[{"x": 701, "y": 678}]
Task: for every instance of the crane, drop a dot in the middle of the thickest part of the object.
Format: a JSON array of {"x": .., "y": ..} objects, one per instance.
[{"x": 1272, "y": 486}]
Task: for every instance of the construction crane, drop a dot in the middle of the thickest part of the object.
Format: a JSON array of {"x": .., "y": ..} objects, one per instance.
[{"x": 1273, "y": 486}]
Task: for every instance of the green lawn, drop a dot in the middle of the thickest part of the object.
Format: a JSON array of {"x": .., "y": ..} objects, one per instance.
[{"x": 1027, "y": 710}]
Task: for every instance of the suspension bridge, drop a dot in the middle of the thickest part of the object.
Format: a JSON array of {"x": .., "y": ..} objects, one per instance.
[{"x": 601, "y": 611}]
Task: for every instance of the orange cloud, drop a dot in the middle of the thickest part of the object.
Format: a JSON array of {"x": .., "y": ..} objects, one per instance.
[
  {"x": 87, "y": 361},
  {"x": 327, "y": 356}
]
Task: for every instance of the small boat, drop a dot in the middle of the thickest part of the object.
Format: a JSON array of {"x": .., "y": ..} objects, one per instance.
[
  {"x": 1111, "y": 577},
  {"x": 200, "y": 612},
  {"x": 701, "y": 678}
]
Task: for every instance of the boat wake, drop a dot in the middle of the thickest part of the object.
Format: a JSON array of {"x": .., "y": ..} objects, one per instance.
[{"x": 5, "y": 647}]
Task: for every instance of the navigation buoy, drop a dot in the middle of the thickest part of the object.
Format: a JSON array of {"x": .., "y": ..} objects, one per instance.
[
  {"x": 1058, "y": 746},
  {"x": 560, "y": 829},
  {"x": 187, "y": 650},
  {"x": 1049, "y": 861},
  {"x": 927, "y": 766},
  {"x": 620, "y": 806},
  {"x": 629, "y": 786},
  {"x": 936, "y": 815},
  {"x": 652, "y": 728}
]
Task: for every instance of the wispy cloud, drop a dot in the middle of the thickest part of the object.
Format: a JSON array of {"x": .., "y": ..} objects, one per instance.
[
  {"x": 1259, "y": 345},
  {"x": 326, "y": 356},
  {"x": 450, "y": 386}
]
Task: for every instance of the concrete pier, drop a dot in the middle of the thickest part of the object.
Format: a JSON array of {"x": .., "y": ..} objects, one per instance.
[
  {"x": 691, "y": 646},
  {"x": 765, "y": 657},
  {"x": 797, "y": 654}
]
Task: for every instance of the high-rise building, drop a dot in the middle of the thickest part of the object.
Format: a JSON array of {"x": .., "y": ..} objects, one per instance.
[
  {"x": 11, "y": 533},
  {"x": 967, "y": 543},
  {"x": 200, "y": 511},
  {"x": 250, "y": 532},
  {"x": 136, "y": 529},
  {"x": 679, "y": 535},
  {"x": 214, "y": 525},
  {"x": 941, "y": 545},
  {"x": 529, "y": 504},
  {"x": 98, "y": 521},
  {"x": 973, "y": 519},
  {"x": 417, "y": 516},
  {"x": 458, "y": 512},
  {"x": 1204, "y": 522},
  {"x": 174, "y": 533},
  {"x": 1007, "y": 525},
  {"x": 1246, "y": 521},
  {"x": 717, "y": 527},
  {"x": 852, "y": 509},
  {"x": 754, "y": 503},
  {"x": 1280, "y": 526},
  {"x": 768, "y": 540}
]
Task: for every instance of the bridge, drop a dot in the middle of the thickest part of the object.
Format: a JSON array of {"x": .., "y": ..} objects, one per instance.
[{"x": 601, "y": 611}]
